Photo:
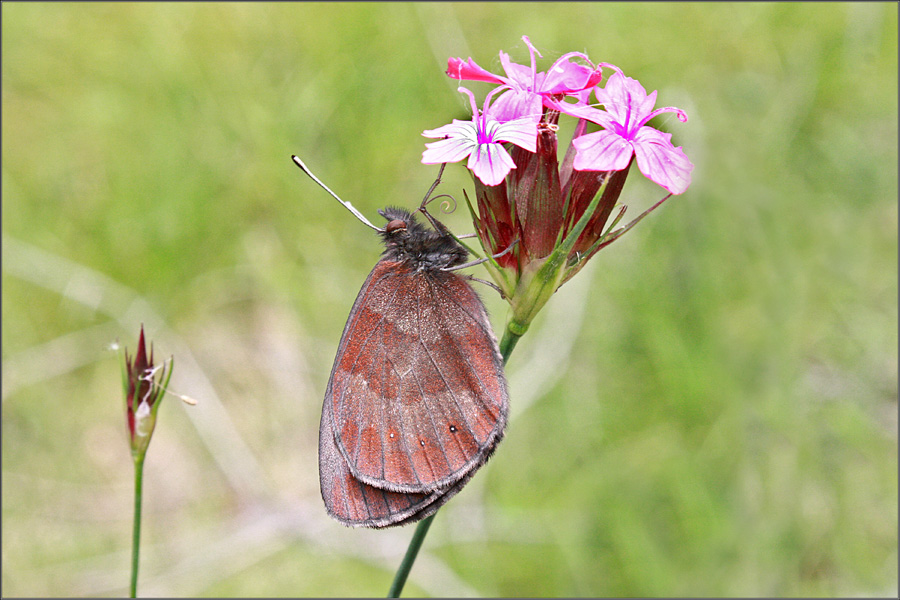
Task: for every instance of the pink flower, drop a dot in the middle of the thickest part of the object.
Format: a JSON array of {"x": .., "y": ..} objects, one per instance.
[
  {"x": 628, "y": 108},
  {"x": 528, "y": 89},
  {"x": 481, "y": 139}
]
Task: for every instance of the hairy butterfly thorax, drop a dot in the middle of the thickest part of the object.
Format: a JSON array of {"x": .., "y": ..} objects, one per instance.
[{"x": 410, "y": 242}]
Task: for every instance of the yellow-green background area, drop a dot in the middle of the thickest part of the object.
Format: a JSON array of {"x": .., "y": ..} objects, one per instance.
[{"x": 710, "y": 408}]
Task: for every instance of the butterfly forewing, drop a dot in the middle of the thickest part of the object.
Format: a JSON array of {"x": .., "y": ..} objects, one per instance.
[
  {"x": 468, "y": 358},
  {"x": 419, "y": 395}
]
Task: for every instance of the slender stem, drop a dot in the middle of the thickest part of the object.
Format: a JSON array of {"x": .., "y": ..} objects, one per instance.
[
  {"x": 508, "y": 343},
  {"x": 506, "y": 347},
  {"x": 136, "y": 531},
  {"x": 411, "y": 552}
]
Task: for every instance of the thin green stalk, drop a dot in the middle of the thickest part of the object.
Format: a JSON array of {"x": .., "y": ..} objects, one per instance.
[
  {"x": 136, "y": 531},
  {"x": 508, "y": 343},
  {"x": 506, "y": 347},
  {"x": 411, "y": 552}
]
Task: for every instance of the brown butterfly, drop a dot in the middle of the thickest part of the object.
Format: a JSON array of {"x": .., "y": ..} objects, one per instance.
[{"x": 417, "y": 400}]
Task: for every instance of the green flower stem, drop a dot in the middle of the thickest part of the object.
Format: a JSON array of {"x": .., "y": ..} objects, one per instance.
[
  {"x": 411, "y": 552},
  {"x": 506, "y": 347},
  {"x": 538, "y": 283},
  {"x": 510, "y": 338},
  {"x": 136, "y": 531}
]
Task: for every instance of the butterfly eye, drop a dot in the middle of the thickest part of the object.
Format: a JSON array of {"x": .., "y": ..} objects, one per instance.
[{"x": 395, "y": 225}]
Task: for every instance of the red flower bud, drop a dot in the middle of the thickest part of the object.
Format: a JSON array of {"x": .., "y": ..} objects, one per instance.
[{"x": 144, "y": 386}]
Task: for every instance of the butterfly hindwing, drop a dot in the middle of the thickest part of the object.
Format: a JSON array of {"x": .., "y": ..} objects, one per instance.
[{"x": 355, "y": 503}]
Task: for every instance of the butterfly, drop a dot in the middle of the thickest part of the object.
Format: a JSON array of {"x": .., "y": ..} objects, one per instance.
[{"x": 417, "y": 400}]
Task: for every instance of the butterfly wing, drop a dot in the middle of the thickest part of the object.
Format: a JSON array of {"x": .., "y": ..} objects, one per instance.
[
  {"x": 355, "y": 503},
  {"x": 417, "y": 394}
]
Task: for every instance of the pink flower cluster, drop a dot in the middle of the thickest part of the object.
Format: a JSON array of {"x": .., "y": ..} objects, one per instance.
[
  {"x": 525, "y": 97},
  {"x": 540, "y": 218}
]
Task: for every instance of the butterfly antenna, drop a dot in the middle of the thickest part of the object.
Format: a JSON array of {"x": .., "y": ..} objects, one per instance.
[
  {"x": 434, "y": 222},
  {"x": 449, "y": 204},
  {"x": 437, "y": 182},
  {"x": 347, "y": 205}
]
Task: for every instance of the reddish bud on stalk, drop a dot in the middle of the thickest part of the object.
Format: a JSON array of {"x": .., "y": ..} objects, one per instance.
[{"x": 144, "y": 386}]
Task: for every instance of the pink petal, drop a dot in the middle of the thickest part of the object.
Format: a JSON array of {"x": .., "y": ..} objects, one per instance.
[
  {"x": 491, "y": 163},
  {"x": 447, "y": 150},
  {"x": 626, "y": 99},
  {"x": 455, "y": 129},
  {"x": 515, "y": 104},
  {"x": 600, "y": 117},
  {"x": 521, "y": 75},
  {"x": 568, "y": 108},
  {"x": 521, "y": 132},
  {"x": 602, "y": 151},
  {"x": 660, "y": 161},
  {"x": 566, "y": 77},
  {"x": 457, "y": 69}
]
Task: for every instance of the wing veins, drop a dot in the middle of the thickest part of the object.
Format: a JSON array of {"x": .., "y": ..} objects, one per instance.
[
  {"x": 452, "y": 394},
  {"x": 422, "y": 390},
  {"x": 439, "y": 289},
  {"x": 352, "y": 367},
  {"x": 402, "y": 428}
]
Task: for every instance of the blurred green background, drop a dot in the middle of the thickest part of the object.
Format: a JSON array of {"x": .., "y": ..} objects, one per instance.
[{"x": 710, "y": 408}]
